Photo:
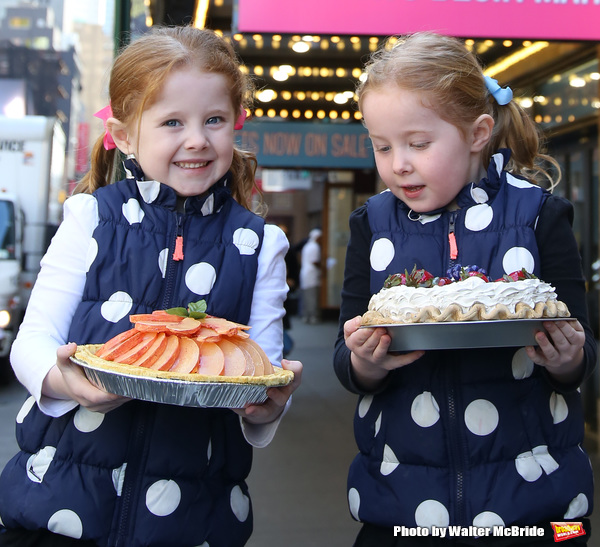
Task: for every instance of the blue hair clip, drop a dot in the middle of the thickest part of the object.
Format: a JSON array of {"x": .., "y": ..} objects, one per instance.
[{"x": 503, "y": 95}]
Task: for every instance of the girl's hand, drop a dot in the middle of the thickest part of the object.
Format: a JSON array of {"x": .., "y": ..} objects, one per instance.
[
  {"x": 560, "y": 349},
  {"x": 272, "y": 408},
  {"x": 370, "y": 359},
  {"x": 68, "y": 381}
]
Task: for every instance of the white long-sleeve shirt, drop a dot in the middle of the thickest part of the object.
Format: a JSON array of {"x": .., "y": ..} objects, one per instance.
[{"x": 59, "y": 288}]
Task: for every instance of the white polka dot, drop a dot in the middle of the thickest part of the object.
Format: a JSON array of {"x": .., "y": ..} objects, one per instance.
[
  {"x": 479, "y": 195},
  {"x": 208, "y": 206},
  {"x": 382, "y": 253},
  {"x": 516, "y": 259},
  {"x": 558, "y": 407},
  {"x": 149, "y": 189},
  {"x": 487, "y": 519},
  {"x": 364, "y": 405},
  {"x": 518, "y": 183},
  {"x": 578, "y": 507},
  {"x": 425, "y": 410},
  {"x": 432, "y": 513},
  {"x": 378, "y": 424},
  {"x": 546, "y": 461},
  {"x": 426, "y": 219},
  {"x": 66, "y": 523},
  {"x": 116, "y": 307},
  {"x": 246, "y": 241},
  {"x": 86, "y": 421},
  {"x": 91, "y": 254},
  {"x": 27, "y": 406},
  {"x": 390, "y": 461},
  {"x": 38, "y": 463},
  {"x": 522, "y": 365},
  {"x": 163, "y": 497},
  {"x": 118, "y": 478},
  {"x": 478, "y": 217},
  {"x": 200, "y": 278},
  {"x": 498, "y": 160},
  {"x": 209, "y": 450},
  {"x": 132, "y": 211},
  {"x": 531, "y": 464},
  {"x": 163, "y": 260},
  {"x": 481, "y": 417},
  {"x": 354, "y": 502},
  {"x": 240, "y": 503},
  {"x": 527, "y": 467}
]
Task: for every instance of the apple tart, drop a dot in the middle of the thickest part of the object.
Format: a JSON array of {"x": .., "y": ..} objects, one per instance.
[{"x": 183, "y": 356}]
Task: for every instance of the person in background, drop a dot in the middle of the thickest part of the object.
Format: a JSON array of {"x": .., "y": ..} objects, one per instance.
[
  {"x": 461, "y": 437},
  {"x": 96, "y": 468},
  {"x": 310, "y": 277},
  {"x": 291, "y": 302}
]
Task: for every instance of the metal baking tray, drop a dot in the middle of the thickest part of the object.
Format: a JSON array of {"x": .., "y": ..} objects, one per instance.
[
  {"x": 177, "y": 392},
  {"x": 466, "y": 334}
]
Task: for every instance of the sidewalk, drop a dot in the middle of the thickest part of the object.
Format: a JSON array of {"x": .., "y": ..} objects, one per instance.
[{"x": 298, "y": 482}]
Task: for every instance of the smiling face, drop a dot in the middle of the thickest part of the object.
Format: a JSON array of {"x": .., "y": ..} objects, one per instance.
[
  {"x": 185, "y": 137},
  {"x": 424, "y": 160}
]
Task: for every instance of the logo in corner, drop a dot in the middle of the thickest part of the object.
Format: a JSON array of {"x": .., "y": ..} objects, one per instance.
[{"x": 567, "y": 530}]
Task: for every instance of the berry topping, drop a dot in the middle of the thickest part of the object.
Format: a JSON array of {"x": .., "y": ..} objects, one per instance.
[
  {"x": 518, "y": 275},
  {"x": 416, "y": 278},
  {"x": 423, "y": 278}
]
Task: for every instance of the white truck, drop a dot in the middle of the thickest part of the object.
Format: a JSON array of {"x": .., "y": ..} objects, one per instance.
[{"x": 32, "y": 189}]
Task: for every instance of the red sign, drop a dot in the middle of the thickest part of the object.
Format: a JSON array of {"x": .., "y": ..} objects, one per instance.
[
  {"x": 567, "y": 530},
  {"x": 527, "y": 19}
]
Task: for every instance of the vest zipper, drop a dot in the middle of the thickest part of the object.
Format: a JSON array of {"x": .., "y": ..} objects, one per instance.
[
  {"x": 457, "y": 460},
  {"x": 452, "y": 238},
  {"x": 135, "y": 456},
  {"x": 176, "y": 257},
  {"x": 178, "y": 252}
]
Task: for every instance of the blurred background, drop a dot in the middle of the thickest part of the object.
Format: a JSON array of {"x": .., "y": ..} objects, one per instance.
[{"x": 316, "y": 164}]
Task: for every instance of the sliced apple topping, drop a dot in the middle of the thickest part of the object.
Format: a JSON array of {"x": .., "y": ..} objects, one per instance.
[{"x": 187, "y": 340}]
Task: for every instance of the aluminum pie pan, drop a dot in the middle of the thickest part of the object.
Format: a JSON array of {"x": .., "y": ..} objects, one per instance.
[
  {"x": 220, "y": 392},
  {"x": 465, "y": 334}
]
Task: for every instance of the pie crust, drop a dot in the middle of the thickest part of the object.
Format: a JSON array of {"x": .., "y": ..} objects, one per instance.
[{"x": 87, "y": 354}]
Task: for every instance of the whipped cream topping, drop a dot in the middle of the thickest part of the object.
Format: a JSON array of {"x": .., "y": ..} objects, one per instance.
[{"x": 399, "y": 301}]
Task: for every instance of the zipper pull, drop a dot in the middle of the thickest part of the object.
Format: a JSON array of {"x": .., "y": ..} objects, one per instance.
[
  {"x": 178, "y": 253},
  {"x": 452, "y": 239}
]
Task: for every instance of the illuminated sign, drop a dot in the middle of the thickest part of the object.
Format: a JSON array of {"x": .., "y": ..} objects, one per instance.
[
  {"x": 534, "y": 19},
  {"x": 299, "y": 144}
]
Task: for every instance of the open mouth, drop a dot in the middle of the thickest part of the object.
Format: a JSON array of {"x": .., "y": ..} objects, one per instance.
[
  {"x": 191, "y": 165},
  {"x": 412, "y": 189}
]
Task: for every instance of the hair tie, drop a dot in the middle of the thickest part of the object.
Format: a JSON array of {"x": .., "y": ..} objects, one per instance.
[
  {"x": 104, "y": 114},
  {"x": 503, "y": 95}
]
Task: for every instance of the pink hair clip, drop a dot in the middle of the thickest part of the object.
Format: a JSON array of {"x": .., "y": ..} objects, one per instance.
[
  {"x": 239, "y": 123},
  {"x": 104, "y": 114}
]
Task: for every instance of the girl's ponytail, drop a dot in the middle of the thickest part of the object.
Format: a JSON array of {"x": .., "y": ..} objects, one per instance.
[
  {"x": 102, "y": 169},
  {"x": 514, "y": 129}
]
